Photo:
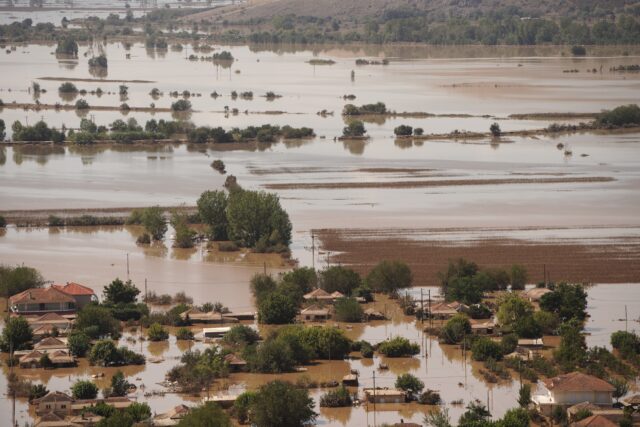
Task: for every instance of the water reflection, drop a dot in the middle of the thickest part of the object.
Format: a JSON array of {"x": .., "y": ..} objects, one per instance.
[{"x": 355, "y": 146}]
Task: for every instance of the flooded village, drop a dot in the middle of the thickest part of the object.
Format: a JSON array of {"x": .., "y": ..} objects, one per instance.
[{"x": 287, "y": 213}]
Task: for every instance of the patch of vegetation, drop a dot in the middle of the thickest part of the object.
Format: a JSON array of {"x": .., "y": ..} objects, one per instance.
[{"x": 398, "y": 347}]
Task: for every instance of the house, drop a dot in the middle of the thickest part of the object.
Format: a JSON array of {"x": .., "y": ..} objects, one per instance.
[
  {"x": 595, "y": 421},
  {"x": 318, "y": 294},
  {"x": 50, "y": 343},
  {"x": 87, "y": 419},
  {"x": 535, "y": 294},
  {"x": 41, "y": 301},
  {"x": 531, "y": 343},
  {"x": 52, "y": 419},
  {"x": 384, "y": 395},
  {"x": 371, "y": 314},
  {"x": 54, "y": 401},
  {"x": 446, "y": 310},
  {"x": 632, "y": 402},
  {"x": 119, "y": 403},
  {"x": 571, "y": 389},
  {"x": 47, "y": 324},
  {"x": 613, "y": 414},
  {"x": 350, "y": 380},
  {"x": 171, "y": 417},
  {"x": 315, "y": 313},
  {"x": 236, "y": 363},
  {"x": 225, "y": 401},
  {"x": 215, "y": 332},
  {"x": 337, "y": 294},
  {"x": 485, "y": 327},
  {"x": 61, "y": 358},
  {"x": 31, "y": 359},
  {"x": 197, "y": 316},
  {"x": 82, "y": 294}
]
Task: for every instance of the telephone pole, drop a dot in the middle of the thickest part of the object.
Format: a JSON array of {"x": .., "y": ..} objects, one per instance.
[
  {"x": 128, "y": 266},
  {"x": 421, "y": 307},
  {"x": 313, "y": 250},
  {"x": 374, "y": 398}
]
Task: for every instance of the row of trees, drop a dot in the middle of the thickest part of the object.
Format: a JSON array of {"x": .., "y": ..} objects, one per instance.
[
  {"x": 264, "y": 133},
  {"x": 464, "y": 281}
]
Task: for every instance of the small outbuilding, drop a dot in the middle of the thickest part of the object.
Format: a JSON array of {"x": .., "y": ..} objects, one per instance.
[{"x": 384, "y": 395}]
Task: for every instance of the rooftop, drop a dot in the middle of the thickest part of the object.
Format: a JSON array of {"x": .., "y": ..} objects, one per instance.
[
  {"x": 596, "y": 421},
  {"x": 40, "y": 295},
  {"x": 75, "y": 289},
  {"x": 577, "y": 381}
]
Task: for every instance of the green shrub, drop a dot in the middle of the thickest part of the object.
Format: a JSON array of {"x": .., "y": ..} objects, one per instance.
[
  {"x": 157, "y": 333},
  {"x": 336, "y": 398},
  {"x": 398, "y": 347},
  {"x": 484, "y": 348},
  {"x": 455, "y": 329},
  {"x": 348, "y": 310}
]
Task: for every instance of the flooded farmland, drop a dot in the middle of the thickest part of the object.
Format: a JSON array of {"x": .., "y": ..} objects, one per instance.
[{"x": 524, "y": 198}]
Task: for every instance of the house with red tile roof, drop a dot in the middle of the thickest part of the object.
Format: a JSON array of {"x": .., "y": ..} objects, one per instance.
[
  {"x": 60, "y": 299},
  {"x": 570, "y": 389},
  {"x": 82, "y": 294}
]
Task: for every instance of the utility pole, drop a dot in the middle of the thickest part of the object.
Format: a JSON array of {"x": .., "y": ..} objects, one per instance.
[
  {"x": 313, "y": 250},
  {"x": 421, "y": 307},
  {"x": 128, "y": 266},
  {"x": 430, "y": 316},
  {"x": 145, "y": 290},
  {"x": 374, "y": 398}
]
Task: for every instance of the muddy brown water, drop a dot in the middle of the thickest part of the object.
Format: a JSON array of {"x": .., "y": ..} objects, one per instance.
[{"x": 588, "y": 215}]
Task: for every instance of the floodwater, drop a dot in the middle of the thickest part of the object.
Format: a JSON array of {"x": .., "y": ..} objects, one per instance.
[{"x": 495, "y": 82}]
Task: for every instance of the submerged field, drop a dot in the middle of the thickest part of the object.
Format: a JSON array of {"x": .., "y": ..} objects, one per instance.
[{"x": 496, "y": 201}]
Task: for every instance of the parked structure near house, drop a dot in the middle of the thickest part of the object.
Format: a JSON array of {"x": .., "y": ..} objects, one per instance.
[
  {"x": 571, "y": 389},
  {"x": 61, "y": 299},
  {"x": 315, "y": 313},
  {"x": 384, "y": 395},
  {"x": 171, "y": 417},
  {"x": 446, "y": 310}
]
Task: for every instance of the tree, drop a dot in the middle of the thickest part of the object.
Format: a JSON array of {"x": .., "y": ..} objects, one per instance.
[
  {"x": 495, "y": 129},
  {"x": 327, "y": 342},
  {"x": 571, "y": 352},
  {"x": 277, "y": 308},
  {"x": 518, "y": 277},
  {"x": 78, "y": 343},
  {"x": 181, "y": 105},
  {"x": 348, "y": 310},
  {"x": 118, "y": 419},
  {"x": 389, "y": 276},
  {"x": 97, "y": 321},
  {"x": 138, "y": 411},
  {"x": 212, "y": 206},
  {"x": 14, "y": 280},
  {"x": 154, "y": 222},
  {"x": 578, "y": 50},
  {"x": 475, "y": 414},
  {"x": 184, "y": 234},
  {"x": 37, "y": 391},
  {"x": 104, "y": 353},
  {"x": 2, "y": 129},
  {"x": 184, "y": 334},
  {"x": 157, "y": 333},
  {"x": 280, "y": 404},
  {"x": 355, "y": 128},
  {"x": 67, "y": 46},
  {"x": 82, "y": 104},
  {"x": 438, "y": 418},
  {"x": 455, "y": 329},
  {"x": 303, "y": 277},
  {"x": 262, "y": 285},
  {"x": 621, "y": 388},
  {"x": 484, "y": 348},
  {"x": 567, "y": 301},
  {"x": 516, "y": 417},
  {"x": 410, "y": 384},
  {"x": 256, "y": 219},
  {"x": 403, "y": 130},
  {"x": 119, "y": 292},
  {"x": 16, "y": 335},
  {"x": 119, "y": 384},
  {"x": 512, "y": 309},
  {"x": 338, "y": 278},
  {"x": 84, "y": 390},
  {"x": 207, "y": 415},
  {"x": 524, "y": 395},
  {"x": 242, "y": 405},
  {"x": 241, "y": 336}
]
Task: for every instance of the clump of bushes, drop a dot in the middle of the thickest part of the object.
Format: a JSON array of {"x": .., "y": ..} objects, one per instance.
[
  {"x": 181, "y": 105},
  {"x": 398, "y": 347},
  {"x": 352, "y": 110},
  {"x": 219, "y": 166},
  {"x": 99, "y": 61},
  {"x": 336, "y": 398},
  {"x": 624, "y": 115}
]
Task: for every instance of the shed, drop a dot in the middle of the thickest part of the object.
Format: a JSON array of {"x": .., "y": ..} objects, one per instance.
[{"x": 384, "y": 395}]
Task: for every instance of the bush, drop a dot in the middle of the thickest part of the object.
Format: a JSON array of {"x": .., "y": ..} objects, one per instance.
[
  {"x": 279, "y": 403},
  {"x": 430, "y": 397},
  {"x": 389, "y": 276},
  {"x": 78, "y": 343},
  {"x": 403, "y": 130},
  {"x": 485, "y": 348},
  {"x": 181, "y": 105},
  {"x": 338, "y": 278},
  {"x": 241, "y": 336},
  {"x": 184, "y": 334},
  {"x": 81, "y": 104},
  {"x": 144, "y": 239},
  {"x": 398, "y": 347},
  {"x": 99, "y": 61},
  {"x": 624, "y": 115},
  {"x": 418, "y": 131},
  {"x": 67, "y": 87},
  {"x": 84, "y": 390},
  {"x": 354, "y": 129},
  {"x": 277, "y": 308},
  {"x": 336, "y": 398},
  {"x": 348, "y": 310},
  {"x": 157, "y": 333},
  {"x": 495, "y": 129},
  {"x": 455, "y": 329},
  {"x": 578, "y": 50}
]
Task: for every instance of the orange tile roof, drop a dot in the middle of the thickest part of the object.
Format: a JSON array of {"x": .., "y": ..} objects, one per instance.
[
  {"x": 50, "y": 318},
  {"x": 41, "y": 295},
  {"x": 577, "y": 381},
  {"x": 75, "y": 289},
  {"x": 596, "y": 421}
]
